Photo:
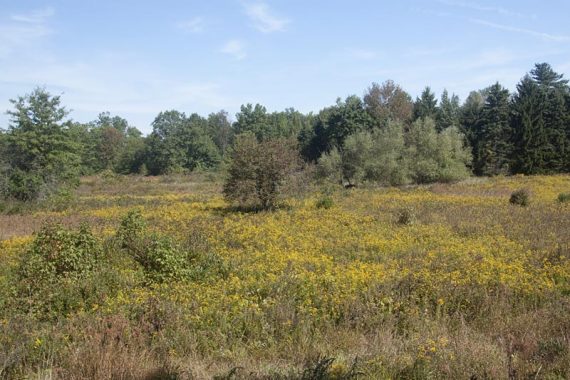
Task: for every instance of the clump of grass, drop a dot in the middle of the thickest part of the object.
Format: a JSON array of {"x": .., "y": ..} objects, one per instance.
[
  {"x": 325, "y": 202},
  {"x": 520, "y": 197},
  {"x": 564, "y": 197},
  {"x": 406, "y": 216}
]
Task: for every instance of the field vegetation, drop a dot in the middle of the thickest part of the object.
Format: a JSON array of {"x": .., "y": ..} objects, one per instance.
[{"x": 161, "y": 278}]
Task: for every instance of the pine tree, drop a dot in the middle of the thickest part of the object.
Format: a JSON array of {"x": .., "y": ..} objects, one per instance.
[
  {"x": 470, "y": 121},
  {"x": 530, "y": 140},
  {"x": 553, "y": 89},
  {"x": 426, "y": 105},
  {"x": 495, "y": 146},
  {"x": 448, "y": 111}
]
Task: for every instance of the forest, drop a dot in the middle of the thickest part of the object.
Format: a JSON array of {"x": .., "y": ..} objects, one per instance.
[{"x": 383, "y": 137}]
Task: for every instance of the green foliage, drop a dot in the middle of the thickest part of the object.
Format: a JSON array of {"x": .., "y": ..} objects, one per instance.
[
  {"x": 40, "y": 155},
  {"x": 563, "y": 197},
  {"x": 55, "y": 273},
  {"x": 58, "y": 252},
  {"x": 325, "y": 202},
  {"x": 161, "y": 259},
  {"x": 391, "y": 156},
  {"x": 436, "y": 157},
  {"x": 520, "y": 197},
  {"x": 494, "y": 146},
  {"x": 258, "y": 171},
  {"x": 179, "y": 143},
  {"x": 448, "y": 111},
  {"x": 426, "y": 105},
  {"x": 540, "y": 122}
]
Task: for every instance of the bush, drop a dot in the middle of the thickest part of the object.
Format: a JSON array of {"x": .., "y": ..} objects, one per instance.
[
  {"x": 325, "y": 202},
  {"x": 58, "y": 252},
  {"x": 520, "y": 198},
  {"x": 56, "y": 274},
  {"x": 161, "y": 259},
  {"x": 258, "y": 171},
  {"x": 564, "y": 197}
]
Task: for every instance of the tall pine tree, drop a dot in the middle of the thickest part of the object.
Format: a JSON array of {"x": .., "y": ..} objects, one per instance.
[
  {"x": 495, "y": 146},
  {"x": 426, "y": 105},
  {"x": 531, "y": 146},
  {"x": 553, "y": 90}
]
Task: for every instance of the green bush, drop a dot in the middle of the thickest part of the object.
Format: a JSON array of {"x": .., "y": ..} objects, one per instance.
[
  {"x": 56, "y": 274},
  {"x": 325, "y": 202},
  {"x": 161, "y": 259},
  {"x": 258, "y": 171},
  {"x": 520, "y": 198},
  {"x": 564, "y": 197},
  {"x": 58, "y": 252}
]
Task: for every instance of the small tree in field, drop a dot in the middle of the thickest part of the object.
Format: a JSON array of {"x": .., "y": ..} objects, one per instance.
[{"x": 259, "y": 169}]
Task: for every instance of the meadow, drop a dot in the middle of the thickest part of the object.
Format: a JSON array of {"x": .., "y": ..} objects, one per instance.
[{"x": 159, "y": 278}]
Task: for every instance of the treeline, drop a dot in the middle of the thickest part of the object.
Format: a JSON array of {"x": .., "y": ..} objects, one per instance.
[{"x": 384, "y": 136}]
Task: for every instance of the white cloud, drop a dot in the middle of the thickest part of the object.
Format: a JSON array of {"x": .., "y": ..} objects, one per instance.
[
  {"x": 263, "y": 18},
  {"x": 534, "y": 33},
  {"x": 194, "y": 25},
  {"x": 37, "y": 16},
  {"x": 482, "y": 8},
  {"x": 235, "y": 48},
  {"x": 23, "y": 31}
]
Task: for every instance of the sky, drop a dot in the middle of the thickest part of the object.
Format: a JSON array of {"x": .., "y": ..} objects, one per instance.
[{"x": 135, "y": 58}]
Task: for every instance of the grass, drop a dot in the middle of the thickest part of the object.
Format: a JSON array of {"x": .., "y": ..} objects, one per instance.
[{"x": 473, "y": 288}]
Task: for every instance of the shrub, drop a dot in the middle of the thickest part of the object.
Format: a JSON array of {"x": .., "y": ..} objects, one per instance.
[
  {"x": 520, "y": 197},
  {"x": 564, "y": 197},
  {"x": 131, "y": 232},
  {"x": 325, "y": 202},
  {"x": 59, "y": 252},
  {"x": 161, "y": 259},
  {"x": 56, "y": 274},
  {"x": 258, "y": 171}
]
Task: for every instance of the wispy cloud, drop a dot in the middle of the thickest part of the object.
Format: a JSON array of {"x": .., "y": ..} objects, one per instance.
[
  {"x": 194, "y": 25},
  {"x": 264, "y": 19},
  {"x": 37, "y": 16},
  {"x": 110, "y": 82},
  {"x": 529, "y": 32},
  {"x": 482, "y": 8},
  {"x": 23, "y": 30},
  {"x": 235, "y": 48}
]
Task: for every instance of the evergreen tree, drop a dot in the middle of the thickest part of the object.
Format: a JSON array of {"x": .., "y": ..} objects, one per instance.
[
  {"x": 554, "y": 90},
  {"x": 531, "y": 144},
  {"x": 495, "y": 144},
  {"x": 426, "y": 105},
  {"x": 470, "y": 121},
  {"x": 448, "y": 112},
  {"x": 40, "y": 154}
]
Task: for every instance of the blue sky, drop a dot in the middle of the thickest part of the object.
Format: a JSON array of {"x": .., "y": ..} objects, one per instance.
[{"x": 136, "y": 58}]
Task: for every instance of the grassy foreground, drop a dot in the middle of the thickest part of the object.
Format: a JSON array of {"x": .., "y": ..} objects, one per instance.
[{"x": 445, "y": 281}]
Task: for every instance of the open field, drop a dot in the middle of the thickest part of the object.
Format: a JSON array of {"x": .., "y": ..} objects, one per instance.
[{"x": 441, "y": 281}]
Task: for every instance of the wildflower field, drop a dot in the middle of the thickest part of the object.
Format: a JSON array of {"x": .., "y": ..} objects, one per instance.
[{"x": 159, "y": 278}]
